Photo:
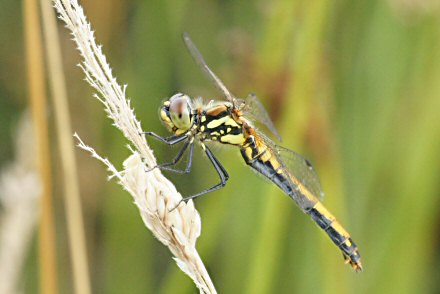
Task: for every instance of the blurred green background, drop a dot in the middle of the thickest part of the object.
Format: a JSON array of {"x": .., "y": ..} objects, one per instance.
[{"x": 352, "y": 85}]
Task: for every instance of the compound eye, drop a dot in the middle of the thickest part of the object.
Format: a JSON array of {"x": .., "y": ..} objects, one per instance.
[{"x": 180, "y": 111}]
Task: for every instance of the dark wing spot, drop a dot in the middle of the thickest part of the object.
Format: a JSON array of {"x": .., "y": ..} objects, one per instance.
[{"x": 309, "y": 164}]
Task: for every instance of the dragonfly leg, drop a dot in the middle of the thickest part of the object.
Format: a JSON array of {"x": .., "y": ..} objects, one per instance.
[
  {"x": 172, "y": 140},
  {"x": 178, "y": 157},
  {"x": 169, "y": 140},
  {"x": 223, "y": 174}
]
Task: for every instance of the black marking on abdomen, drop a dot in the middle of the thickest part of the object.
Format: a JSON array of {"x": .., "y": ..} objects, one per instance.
[
  {"x": 264, "y": 167},
  {"x": 350, "y": 249},
  {"x": 281, "y": 179},
  {"x": 336, "y": 237},
  {"x": 326, "y": 221},
  {"x": 320, "y": 219}
]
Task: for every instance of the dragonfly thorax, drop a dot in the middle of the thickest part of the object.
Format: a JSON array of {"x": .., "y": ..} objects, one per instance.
[{"x": 176, "y": 113}]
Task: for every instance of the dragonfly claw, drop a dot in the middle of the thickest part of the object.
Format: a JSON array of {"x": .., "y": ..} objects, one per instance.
[
  {"x": 177, "y": 205},
  {"x": 150, "y": 169}
]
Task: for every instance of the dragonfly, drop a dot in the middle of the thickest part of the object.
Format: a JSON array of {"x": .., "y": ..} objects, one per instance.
[{"x": 231, "y": 122}]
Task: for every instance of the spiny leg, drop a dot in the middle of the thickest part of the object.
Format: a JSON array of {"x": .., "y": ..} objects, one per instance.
[
  {"x": 223, "y": 174},
  {"x": 174, "y": 139},
  {"x": 178, "y": 157}
]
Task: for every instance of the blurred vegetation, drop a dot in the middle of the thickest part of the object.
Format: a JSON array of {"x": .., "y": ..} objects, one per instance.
[{"x": 352, "y": 85}]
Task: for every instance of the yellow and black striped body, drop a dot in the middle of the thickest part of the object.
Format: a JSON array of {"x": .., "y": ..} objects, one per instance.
[
  {"x": 223, "y": 124},
  {"x": 265, "y": 161},
  {"x": 217, "y": 124}
]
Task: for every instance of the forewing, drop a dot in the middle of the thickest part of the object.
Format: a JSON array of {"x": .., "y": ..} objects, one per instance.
[
  {"x": 198, "y": 58},
  {"x": 301, "y": 169},
  {"x": 255, "y": 110}
]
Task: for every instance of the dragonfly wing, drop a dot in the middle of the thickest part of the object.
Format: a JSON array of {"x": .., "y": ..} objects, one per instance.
[
  {"x": 198, "y": 58},
  {"x": 302, "y": 170},
  {"x": 291, "y": 172},
  {"x": 297, "y": 167},
  {"x": 254, "y": 109}
]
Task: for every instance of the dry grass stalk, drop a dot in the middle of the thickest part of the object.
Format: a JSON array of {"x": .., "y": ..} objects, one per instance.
[
  {"x": 37, "y": 99},
  {"x": 72, "y": 199},
  {"x": 154, "y": 195},
  {"x": 19, "y": 194}
]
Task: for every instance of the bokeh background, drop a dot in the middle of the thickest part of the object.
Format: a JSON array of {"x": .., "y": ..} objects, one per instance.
[{"x": 354, "y": 86}]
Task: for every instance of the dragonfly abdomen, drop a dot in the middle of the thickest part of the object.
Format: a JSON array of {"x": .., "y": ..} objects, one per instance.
[
  {"x": 340, "y": 237},
  {"x": 264, "y": 161}
]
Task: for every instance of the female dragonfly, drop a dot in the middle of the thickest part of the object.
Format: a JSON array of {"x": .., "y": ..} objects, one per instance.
[{"x": 230, "y": 122}]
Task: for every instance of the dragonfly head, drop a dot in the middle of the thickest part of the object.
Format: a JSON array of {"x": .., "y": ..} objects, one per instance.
[{"x": 176, "y": 113}]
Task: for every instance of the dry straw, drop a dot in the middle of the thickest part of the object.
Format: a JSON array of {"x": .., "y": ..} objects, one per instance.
[
  {"x": 154, "y": 195},
  {"x": 72, "y": 199},
  {"x": 36, "y": 84}
]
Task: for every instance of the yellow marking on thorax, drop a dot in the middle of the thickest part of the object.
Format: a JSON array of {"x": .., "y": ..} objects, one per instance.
[
  {"x": 217, "y": 122},
  {"x": 233, "y": 139},
  {"x": 231, "y": 122}
]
